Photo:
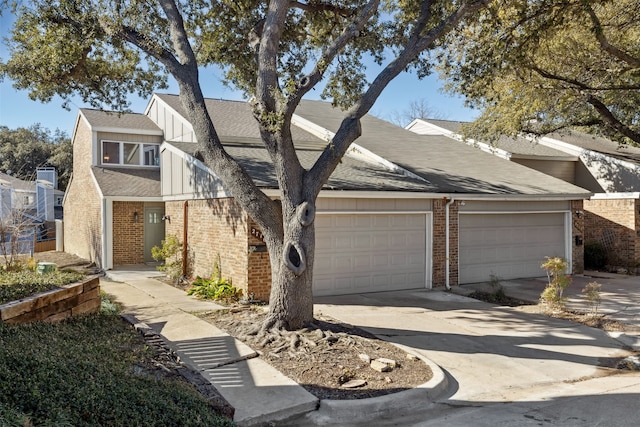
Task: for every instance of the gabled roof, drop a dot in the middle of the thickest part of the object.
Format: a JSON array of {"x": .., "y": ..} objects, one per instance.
[
  {"x": 109, "y": 121},
  {"x": 599, "y": 145},
  {"x": 451, "y": 167},
  {"x": 515, "y": 147},
  {"x": 234, "y": 122},
  {"x": 127, "y": 181},
  {"x": 17, "y": 183},
  {"x": 350, "y": 174}
]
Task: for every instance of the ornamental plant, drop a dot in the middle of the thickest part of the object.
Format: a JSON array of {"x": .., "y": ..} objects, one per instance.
[{"x": 558, "y": 279}]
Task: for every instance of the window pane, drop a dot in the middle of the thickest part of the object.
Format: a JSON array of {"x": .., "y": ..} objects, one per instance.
[
  {"x": 151, "y": 155},
  {"x": 131, "y": 154},
  {"x": 111, "y": 152}
]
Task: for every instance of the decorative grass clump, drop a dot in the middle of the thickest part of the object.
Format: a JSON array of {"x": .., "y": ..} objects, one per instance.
[
  {"x": 86, "y": 371},
  {"x": 15, "y": 285}
]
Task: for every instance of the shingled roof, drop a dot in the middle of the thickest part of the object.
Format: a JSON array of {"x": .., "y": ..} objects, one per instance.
[
  {"x": 350, "y": 174},
  {"x": 234, "y": 121},
  {"x": 108, "y": 121},
  {"x": 451, "y": 167},
  {"x": 128, "y": 182}
]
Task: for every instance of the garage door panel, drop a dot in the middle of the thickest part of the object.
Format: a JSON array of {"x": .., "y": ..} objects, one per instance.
[
  {"x": 508, "y": 245},
  {"x": 369, "y": 252}
]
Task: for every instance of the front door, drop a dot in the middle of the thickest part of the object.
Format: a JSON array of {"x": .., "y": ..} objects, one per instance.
[{"x": 153, "y": 230}]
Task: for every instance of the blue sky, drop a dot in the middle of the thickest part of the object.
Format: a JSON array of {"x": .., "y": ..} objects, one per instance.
[{"x": 17, "y": 110}]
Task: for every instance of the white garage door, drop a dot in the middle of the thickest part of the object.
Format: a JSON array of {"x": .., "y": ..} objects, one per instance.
[
  {"x": 369, "y": 253},
  {"x": 509, "y": 246}
]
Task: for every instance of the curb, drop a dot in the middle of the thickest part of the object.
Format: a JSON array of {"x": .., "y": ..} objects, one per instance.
[{"x": 376, "y": 408}]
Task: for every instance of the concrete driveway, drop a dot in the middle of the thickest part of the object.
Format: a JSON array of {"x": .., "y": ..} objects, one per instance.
[{"x": 494, "y": 356}]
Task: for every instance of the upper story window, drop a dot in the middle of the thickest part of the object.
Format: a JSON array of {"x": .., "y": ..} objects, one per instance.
[{"x": 130, "y": 153}]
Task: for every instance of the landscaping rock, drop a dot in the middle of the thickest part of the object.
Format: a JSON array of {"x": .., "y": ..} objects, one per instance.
[
  {"x": 354, "y": 384},
  {"x": 412, "y": 357},
  {"x": 392, "y": 363},
  {"x": 365, "y": 358},
  {"x": 379, "y": 366}
]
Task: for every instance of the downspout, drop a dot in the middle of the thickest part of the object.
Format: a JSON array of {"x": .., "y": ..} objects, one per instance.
[
  {"x": 446, "y": 243},
  {"x": 185, "y": 235}
]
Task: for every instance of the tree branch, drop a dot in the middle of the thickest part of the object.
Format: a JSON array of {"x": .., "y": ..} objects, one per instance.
[
  {"x": 321, "y": 7},
  {"x": 604, "y": 43},
  {"x": 610, "y": 119},
  {"x": 350, "y": 127},
  {"x": 329, "y": 54}
]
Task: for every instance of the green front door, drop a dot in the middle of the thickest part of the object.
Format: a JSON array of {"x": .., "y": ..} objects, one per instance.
[{"x": 153, "y": 230}]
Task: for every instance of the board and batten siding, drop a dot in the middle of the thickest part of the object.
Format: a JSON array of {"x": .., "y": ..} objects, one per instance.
[
  {"x": 187, "y": 180},
  {"x": 175, "y": 128}
]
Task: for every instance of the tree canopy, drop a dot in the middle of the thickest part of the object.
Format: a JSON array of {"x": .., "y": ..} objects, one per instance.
[
  {"x": 540, "y": 66},
  {"x": 275, "y": 51},
  {"x": 23, "y": 150}
]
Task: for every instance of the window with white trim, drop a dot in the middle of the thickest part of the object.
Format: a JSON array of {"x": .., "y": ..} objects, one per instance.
[{"x": 130, "y": 153}]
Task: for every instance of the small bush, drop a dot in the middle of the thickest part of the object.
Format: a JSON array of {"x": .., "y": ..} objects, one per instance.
[
  {"x": 215, "y": 288},
  {"x": 591, "y": 291},
  {"x": 595, "y": 256},
  {"x": 552, "y": 295},
  {"x": 168, "y": 254}
]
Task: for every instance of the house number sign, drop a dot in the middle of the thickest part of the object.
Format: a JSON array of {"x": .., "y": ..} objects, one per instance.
[{"x": 257, "y": 233}]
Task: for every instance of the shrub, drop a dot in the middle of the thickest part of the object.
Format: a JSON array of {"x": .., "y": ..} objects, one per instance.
[
  {"x": 15, "y": 285},
  {"x": 595, "y": 256},
  {"x": 552, "y": 295},
  {"x": 591, "y": 291},
  {"x": 215, "y": 288},
  {"x": 167, "y": 254}
]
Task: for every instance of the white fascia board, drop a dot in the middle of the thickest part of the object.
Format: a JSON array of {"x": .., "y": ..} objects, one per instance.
[
  {"x": 354, "y": 151},
  {"x": 134, "y": 199},
  {"x": 187, "y": 157},
  {"x": 274, "y": 193},
  {"x": 614, "y": 196},
  {"x": 437, "y": 129},
  {"x": 312, "y": 128},
  {"x": 579, "y": 151},
  {"x": 134, "y": 131},
  {"x": 521, "y": 197},
  {"x": 483, "y": 146}
]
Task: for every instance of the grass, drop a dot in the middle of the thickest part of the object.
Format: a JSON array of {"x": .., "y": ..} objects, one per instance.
[
  {"x": 86, "y": 371},
  {"x": 15, "y": 285}
]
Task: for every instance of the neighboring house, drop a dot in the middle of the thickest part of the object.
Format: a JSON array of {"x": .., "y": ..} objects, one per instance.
[
  {"x": 40, "y": 199},
  {"x": 610, "y": 171},
  {"x": 399, "y": 212}
]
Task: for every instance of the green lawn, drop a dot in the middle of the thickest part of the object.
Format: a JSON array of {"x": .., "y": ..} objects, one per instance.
[{"x": 82, "y": 372}]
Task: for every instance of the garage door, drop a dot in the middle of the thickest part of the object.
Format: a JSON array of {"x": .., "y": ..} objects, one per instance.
[
  {"x": 509, "y": 246},
  {"x": 370, "y": 253}
]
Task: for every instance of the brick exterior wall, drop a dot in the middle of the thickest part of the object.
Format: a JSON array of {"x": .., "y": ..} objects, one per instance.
[
  {"x": 439, "y": 243},
  {"x": 259, "y": 274},
  {"x": 216, "y": 227},
  {"x": 82, "y": 210},
  {"x": 614, "y": 223},
  {"x": 577, "y": 234},
  {"x": 128, "y": 235}
]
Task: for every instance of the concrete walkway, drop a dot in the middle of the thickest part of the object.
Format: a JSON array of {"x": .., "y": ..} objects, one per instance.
[
  {"x": 257, "y": 391},
  {"x": 620, "y": 298},
  {"x": 490, "y": 354}
]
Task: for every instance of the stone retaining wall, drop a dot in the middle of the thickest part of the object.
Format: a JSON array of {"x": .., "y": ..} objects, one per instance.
[{"x": 52, "y": 306}]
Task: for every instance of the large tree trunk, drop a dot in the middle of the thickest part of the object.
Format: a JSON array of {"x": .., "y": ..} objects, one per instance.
[{"x": 290, "y": 304}]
